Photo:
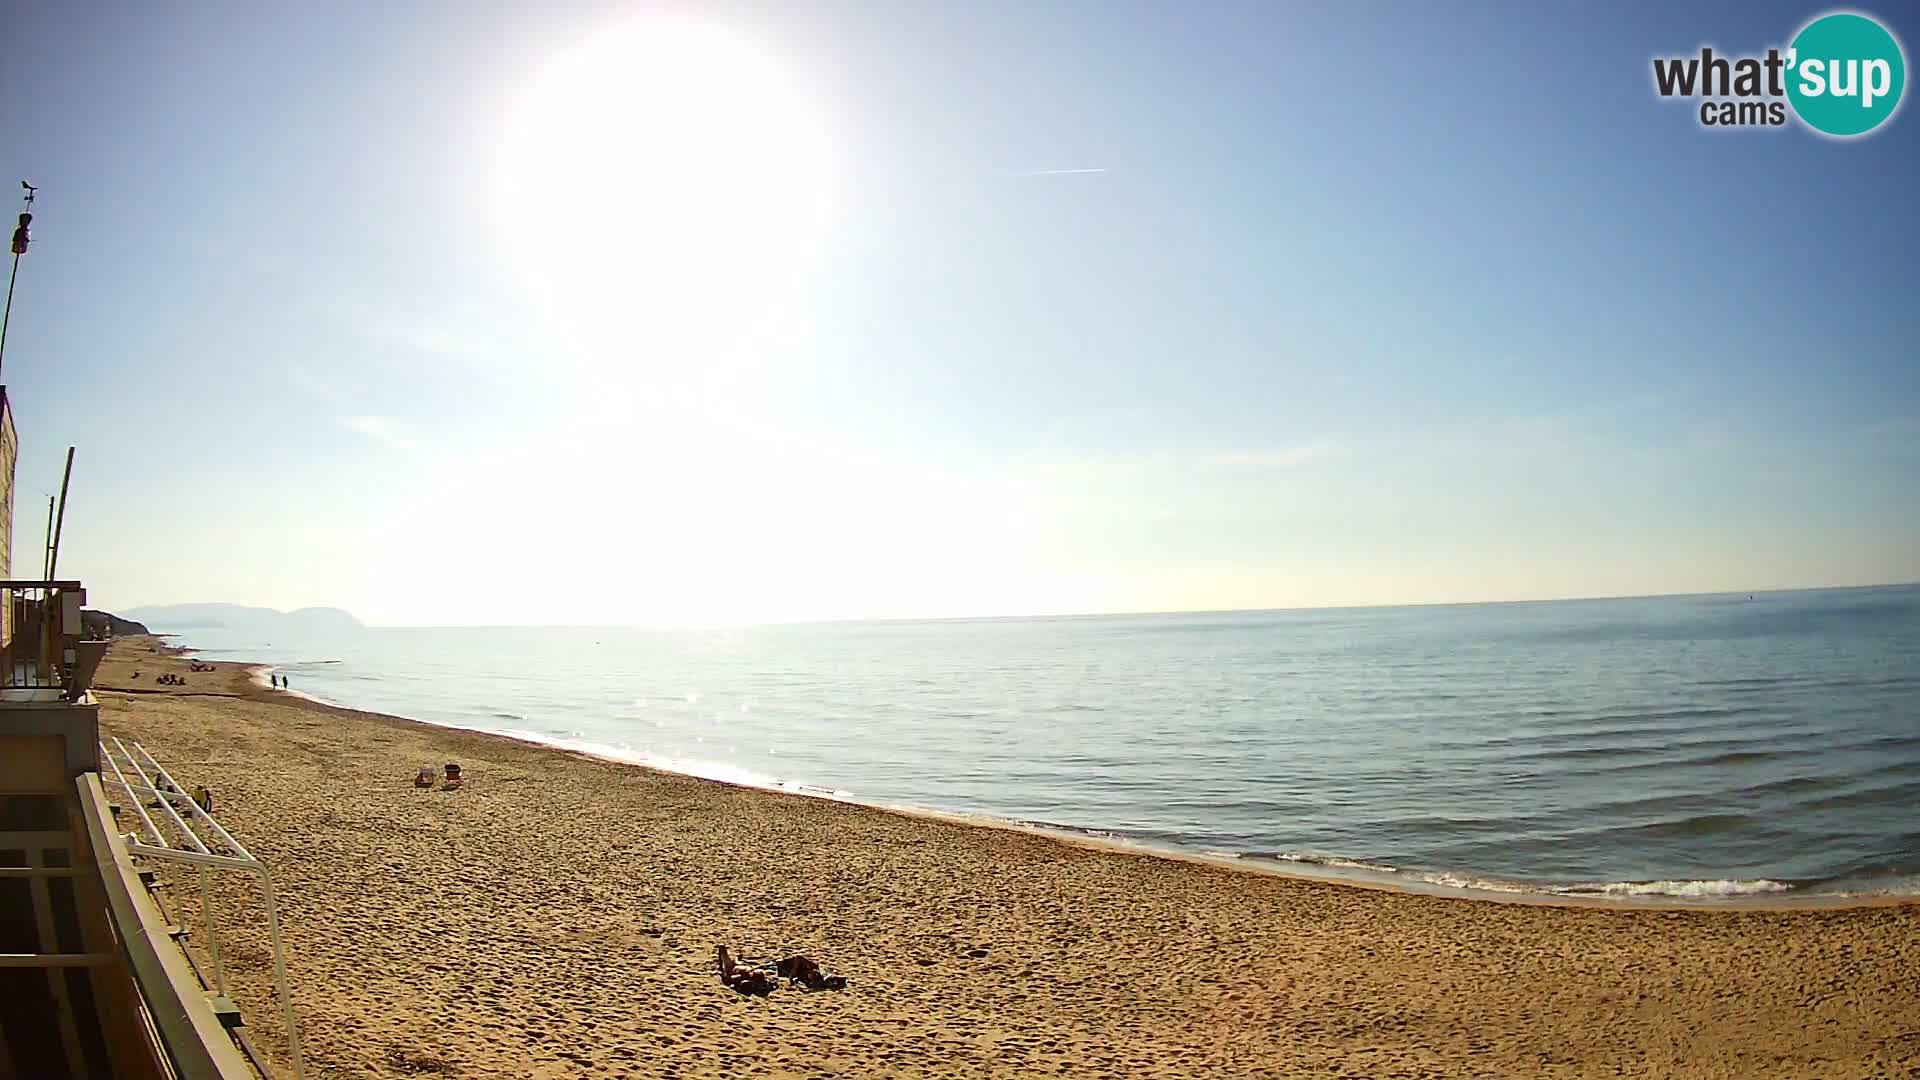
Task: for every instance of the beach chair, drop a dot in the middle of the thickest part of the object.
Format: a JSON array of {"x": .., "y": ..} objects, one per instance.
[
  {"x": 423, "y": 778},
  {"x": 454, "y": 779}
]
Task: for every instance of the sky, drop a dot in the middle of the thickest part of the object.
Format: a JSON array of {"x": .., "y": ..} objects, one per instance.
[{"x": 648, "y": 313}]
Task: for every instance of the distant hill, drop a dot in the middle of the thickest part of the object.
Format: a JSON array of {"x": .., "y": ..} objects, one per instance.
[
  {"x": 175, "y": 617},
  {"x": 106, "y": 623}
]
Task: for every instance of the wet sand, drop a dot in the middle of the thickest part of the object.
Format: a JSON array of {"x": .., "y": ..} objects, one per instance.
[{"x": 557, "y": 917}]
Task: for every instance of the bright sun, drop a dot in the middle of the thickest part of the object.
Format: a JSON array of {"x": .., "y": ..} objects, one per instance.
[{"x": 667, "y": 186}]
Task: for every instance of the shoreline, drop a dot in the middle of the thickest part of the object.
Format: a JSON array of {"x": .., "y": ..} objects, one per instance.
[
  {"x": 1359, "y": 876},
  {"x": 558, "y": 916}
]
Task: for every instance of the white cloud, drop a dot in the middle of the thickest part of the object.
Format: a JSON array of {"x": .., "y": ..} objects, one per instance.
[
  {"x": 311, "y": 383},
  {"x": 438, "y": 338},
  {"x": 380, "y": 429},
  {"x": 1292, "y": 457},
  {"x": 1897, "y": 429}
]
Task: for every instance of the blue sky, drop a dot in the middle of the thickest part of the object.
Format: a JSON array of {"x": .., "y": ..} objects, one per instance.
[{"x": 735, "y": 312}]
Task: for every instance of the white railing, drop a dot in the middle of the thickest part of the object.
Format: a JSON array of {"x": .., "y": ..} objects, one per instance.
[{"x": 136, "y": 772}]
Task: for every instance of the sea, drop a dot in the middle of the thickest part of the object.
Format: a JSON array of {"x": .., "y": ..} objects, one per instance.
[{"x": 1697, "y": 749}]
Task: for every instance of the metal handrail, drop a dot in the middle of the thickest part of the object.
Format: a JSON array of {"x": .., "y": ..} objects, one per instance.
[
  {"x": 196, "y": 1045},
  {"x": 156, "y": 782}
]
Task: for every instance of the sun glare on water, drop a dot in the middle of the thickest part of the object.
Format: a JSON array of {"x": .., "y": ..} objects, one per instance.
[{"x": 667, "y": 186}]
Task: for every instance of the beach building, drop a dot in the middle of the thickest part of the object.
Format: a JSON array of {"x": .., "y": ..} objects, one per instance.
[{"x": 95, "y": 978}]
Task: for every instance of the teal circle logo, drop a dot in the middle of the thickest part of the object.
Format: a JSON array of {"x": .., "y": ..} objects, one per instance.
[{"x": 1845, "y": 73}]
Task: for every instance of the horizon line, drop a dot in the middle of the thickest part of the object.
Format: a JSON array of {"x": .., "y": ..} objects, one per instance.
[{"x": 1032, "y": 616}]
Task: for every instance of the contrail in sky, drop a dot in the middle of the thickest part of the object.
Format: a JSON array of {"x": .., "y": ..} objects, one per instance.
[{"x": 1057, "y": 172}]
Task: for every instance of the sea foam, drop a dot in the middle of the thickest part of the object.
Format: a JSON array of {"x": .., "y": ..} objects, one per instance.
[{"x": 1721, "y": 887}]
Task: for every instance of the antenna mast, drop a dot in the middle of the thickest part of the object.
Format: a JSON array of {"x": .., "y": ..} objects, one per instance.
[
  {"x": 46, "y": 548},
  {"x": 53, "y": 553}
]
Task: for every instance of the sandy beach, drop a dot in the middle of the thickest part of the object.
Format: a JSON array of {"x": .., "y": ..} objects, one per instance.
[{"x": 558, "y": 915}]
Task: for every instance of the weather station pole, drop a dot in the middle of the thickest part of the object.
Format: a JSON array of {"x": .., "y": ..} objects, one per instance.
[{"x": 20, "y": 241}]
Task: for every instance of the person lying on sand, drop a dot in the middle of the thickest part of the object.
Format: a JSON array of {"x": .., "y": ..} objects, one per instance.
[
  {"x": 740, "y": 977},
  {"x": 759, "y": 979},
  {"x": 798, "y": 969},
  {"x": 806, "y": 972}
]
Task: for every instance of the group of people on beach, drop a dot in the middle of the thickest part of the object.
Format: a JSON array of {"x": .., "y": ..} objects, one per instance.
[
  {"x": 425, "y": 778},
  {"x": 762, "y": 978},
  {"x": 202, "y": 797},
  {"x": 279, "y": 681}
]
